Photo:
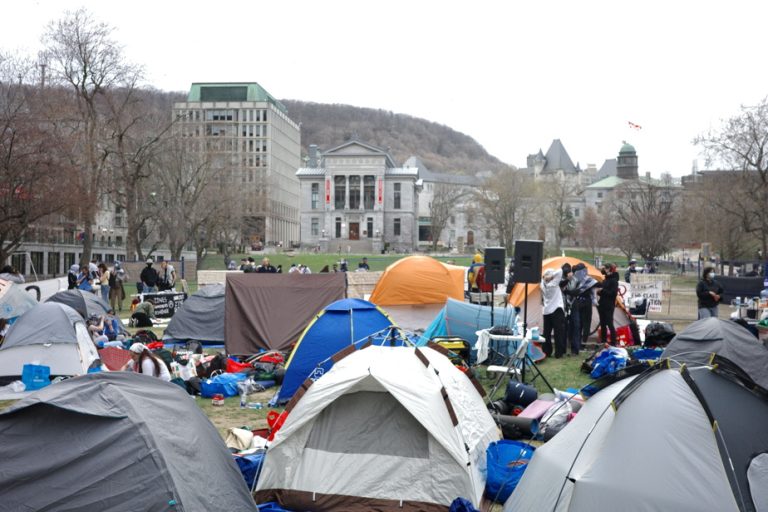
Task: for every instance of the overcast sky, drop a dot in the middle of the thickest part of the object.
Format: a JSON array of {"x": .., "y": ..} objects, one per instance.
[{"x": 513, "y": 75}]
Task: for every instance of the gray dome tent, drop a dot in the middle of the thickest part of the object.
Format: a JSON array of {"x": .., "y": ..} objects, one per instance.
[
  {"x": 85, "y": 303},
  {"x": 696, "y": 343},
  {"x": 201, "y": 316},
  {"x": 119, "y": 442},
  {"x": 682, "y": 439},
  {"x": 50, "y": 334}
]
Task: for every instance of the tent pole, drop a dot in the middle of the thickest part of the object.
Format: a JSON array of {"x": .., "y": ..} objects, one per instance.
[{"x": 525, "y": 329}]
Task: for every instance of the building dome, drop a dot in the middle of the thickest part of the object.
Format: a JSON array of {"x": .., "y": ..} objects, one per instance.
[{"x": 627, "y": 148}]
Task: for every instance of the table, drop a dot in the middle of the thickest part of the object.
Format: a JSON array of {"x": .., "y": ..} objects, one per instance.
[{"x": 165, "y": 303}]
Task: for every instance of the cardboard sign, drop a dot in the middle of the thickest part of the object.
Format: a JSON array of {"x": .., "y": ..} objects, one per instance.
[
  {"x": 166, "y": 304},
  {"x": 651, "y": 290}
]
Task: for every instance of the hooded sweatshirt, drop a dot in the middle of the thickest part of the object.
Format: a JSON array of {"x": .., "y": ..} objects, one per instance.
[{"x": 550, "y": 291}]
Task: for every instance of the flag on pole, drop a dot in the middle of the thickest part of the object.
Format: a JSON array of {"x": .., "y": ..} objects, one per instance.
[{"x": 634, "y": 126}]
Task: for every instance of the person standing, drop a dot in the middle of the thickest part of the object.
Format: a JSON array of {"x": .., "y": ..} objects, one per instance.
[
  {"x": 104, "y": 276},
  {"x": 116, "y": 286},
  {"x": 167, "y": 276},
  {"x": 583, "y": 292},
  {"x": 266, "y": 267},
  {"x": 149, "y": 278},
  {"x": 608, "y": 290},
  {"x": 72, "y": 277},
  {"x": 553, "y": 311},
  {"x": 709, "y": 293},
  {"x": 572, "y": 319},
  {"x": 632, "y": 269},
  {"x": 363, "y": 265}
]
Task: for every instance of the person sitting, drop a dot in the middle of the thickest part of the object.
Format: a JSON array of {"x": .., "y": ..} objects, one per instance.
[
  {"x": 266, "y": 267},
  {"x": 144, "y": 361},
  {"x": 363, "y": 265},
  {"x": 83, "y": 281},
  {"x": 112, "y": 328},
  {"x": 143, "y": 314}
]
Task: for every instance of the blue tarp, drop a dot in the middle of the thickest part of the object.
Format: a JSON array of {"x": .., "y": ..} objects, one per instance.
[
  {"x": 463, "y": 319},
  {"x": 333, "y": 329}
]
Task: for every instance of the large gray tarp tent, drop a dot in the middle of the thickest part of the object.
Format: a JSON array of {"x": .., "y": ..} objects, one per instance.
[
  {"x": 85, "y": 303},
  {"x": 201, "y": 316},
  {"x": 682, "y": 439},
  {"x": 118, "y": 442},
  {"x": 270, "y": 311},
  {"x": 696, "y": 343},
  {"x": 14, "y": 300}
]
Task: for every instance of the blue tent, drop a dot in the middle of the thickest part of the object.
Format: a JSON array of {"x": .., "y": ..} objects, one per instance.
[{"x": 336, "y": 327}]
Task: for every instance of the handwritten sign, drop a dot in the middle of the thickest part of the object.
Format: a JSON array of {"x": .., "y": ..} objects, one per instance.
[{"x": 651, "y": 290}]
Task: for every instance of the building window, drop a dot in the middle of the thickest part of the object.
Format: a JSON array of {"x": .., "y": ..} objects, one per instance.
[
  {"x": 397, "y": 227},
  {"x": 354, "y": 192},
  {"x": 600, "y": 195},
  {"x": 315, "y": 226},
  {"x": 339, "y": 192},
  {"x": 369, "y": 192},
  {"x": 69, "y": 259},
  {"x": 575, "y": 212},
  {"x": 53, "y": 263},
  {"x": 338, "y": 227},
  {"x": 369, "y": 227},
  {"x": 397, "y": 196},
  {"x": 119, "y": 241},
  {"x": 315, "y": 195}
]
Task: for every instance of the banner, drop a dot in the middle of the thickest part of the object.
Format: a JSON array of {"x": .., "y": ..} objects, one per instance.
[
  {"x": 381, "y": 191},
  {"x": 651, "y": 290},
  {"x": 328, "y": 191},
  {"x": 166, "y": 304}
]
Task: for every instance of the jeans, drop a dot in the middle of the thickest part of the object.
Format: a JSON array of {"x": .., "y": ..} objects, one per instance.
[
  {"x": 105, "y": 293},
  {"x": 708, "y": 312},
  {"x": 149, "y": 289}
]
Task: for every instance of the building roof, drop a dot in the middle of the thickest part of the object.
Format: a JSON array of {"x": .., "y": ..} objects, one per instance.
[
  {"x": 231, "y": 91},
  {"x": 310, "y": 171},
  {"x": 367, "y": 150},
  {"x": 401, "y": 171},
  {"x": 609, "y": 182},
  {"x": 607, "y": 169},
  {"x": 558, "y": 158},
  {"x": 627, "y": 148}
]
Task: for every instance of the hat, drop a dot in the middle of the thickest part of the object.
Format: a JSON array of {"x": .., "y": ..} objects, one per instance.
[
  {"x": 117, "y": 264},
  {"x": 578, "y": 266},
  {"x": 633, "y": 260},
  {"x": 74, "y": 268},
  {"x": 150, "y": 261},
  {"x": 138, "y": 348}
]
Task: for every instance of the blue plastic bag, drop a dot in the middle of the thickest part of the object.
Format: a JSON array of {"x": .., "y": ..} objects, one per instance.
[
  {"x": 462, "y": 505},
  {"x": 250, "y": 467},
  {"x": 609, "y": 361},
  {"x": 507, "y": 460},
  {"x": 35, "y": 376},
  {"x": 224, "y": 384}
]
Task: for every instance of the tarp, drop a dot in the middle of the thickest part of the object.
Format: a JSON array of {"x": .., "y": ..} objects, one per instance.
[
  {"x": 463, "y": 319},
  {"x": 115, "y": 441},
  {"x": 50, "y": 334},
  {"x": 200, "y": 317},
  {"x": 690, "y": 417},
  {"x": 388, "y": 429},
  {"x": 696, "y": 343},
  {"x": 419, "y": 280},
  {"x": 333, "y": 329},
  {"x": 87, "y": 304},
  {"x": 14, "y": 300},
  {"x": 270, "y": 311}
]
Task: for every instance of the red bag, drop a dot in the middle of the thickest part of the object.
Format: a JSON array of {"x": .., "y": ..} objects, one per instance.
[
  {"x": 155, "y": 345},
  {"x": 275, "y": 420},
  {"x": 237, "y": 367}
]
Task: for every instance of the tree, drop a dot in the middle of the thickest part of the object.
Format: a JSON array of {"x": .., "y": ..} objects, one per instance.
[
  {"x": 592, "y": 231},
  {"x": 83, "y": 57},
  {"x": 35, "y": 176},
  {"x": 445, "y": 200},
  {"x": 504, "y": 200},
  {"x": 645, "y": 221},
  {"x": 554, "y": 196},
  {"x": 740, "y": 146}
]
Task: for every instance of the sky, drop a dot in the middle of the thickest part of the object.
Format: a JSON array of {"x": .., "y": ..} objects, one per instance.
[{"x": 512, "y": 75}]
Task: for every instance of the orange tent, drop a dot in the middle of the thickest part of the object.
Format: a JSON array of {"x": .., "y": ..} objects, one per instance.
[
  {"x": 419, "y": 280},
  {"x": 518, "y": 292}
]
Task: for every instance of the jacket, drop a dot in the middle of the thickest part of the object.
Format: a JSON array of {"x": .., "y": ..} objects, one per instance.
[
  {"x": 609, "y": 291},
  {"x": 702, "y": 292}
]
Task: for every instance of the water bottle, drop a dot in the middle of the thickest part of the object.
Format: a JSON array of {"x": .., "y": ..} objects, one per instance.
[{"x": 242, "y": 401}]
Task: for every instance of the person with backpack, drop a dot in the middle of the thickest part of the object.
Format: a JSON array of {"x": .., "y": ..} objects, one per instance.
[
  {"x": 117, "y": 277},
  {"x": 144, "y": 361}
]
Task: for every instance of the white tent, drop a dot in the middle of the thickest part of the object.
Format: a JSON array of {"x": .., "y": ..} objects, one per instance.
[
  {"x": 388, "y": 428},
  {"x": 50, "y": 334}
]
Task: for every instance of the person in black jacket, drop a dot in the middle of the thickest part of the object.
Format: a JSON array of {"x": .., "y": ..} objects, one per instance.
[
  {"x": 149, "y": 278},
  {"x": 72, "y": 277},
  {"x": 606, "y": 303},
  {"x": 709, "y": 293}
]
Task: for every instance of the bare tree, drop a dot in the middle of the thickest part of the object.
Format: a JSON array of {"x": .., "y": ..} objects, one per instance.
[
  {"x": 83, "y": 56},
  {"x": 645, "y": 218},
  {"x": 592, "y": 231},
  {"x": 35, "y": 176},
  {"x": 504, "y": 199},
  {"x": 554, "y": 196},
  {"x": 740, "y": 145},
  {"x": 445, "y": 201}
]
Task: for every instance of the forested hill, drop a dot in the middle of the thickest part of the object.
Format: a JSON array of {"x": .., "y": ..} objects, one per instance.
[{"x": 439, "y": 147}]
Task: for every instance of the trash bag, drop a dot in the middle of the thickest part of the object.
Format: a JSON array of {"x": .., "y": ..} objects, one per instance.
[
  {"x": 555, "y": 419},
  {"x": 507, "y": 460},
  {"x": 658, "y": 334},
  {"x": 462, "y": 505},
  {"x": 224, "y": 384},
  {"x": 608, "y": 361}
]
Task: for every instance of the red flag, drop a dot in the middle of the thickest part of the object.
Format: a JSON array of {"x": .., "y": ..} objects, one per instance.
[{"x": 635, "y": 126}]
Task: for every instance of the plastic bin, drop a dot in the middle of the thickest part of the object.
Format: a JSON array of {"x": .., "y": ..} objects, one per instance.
[{"x": 35, "y": 376}]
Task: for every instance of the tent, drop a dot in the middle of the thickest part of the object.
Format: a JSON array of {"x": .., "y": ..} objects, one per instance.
[
  {"x": 50, "y": 334},
  {"x": 270, "y": 311},
  {"x": 463, "y": 319},
  {"x": 336, "y": 327},
  {"x": 200, "y": 317},
  {"x": 621, "y": 316},
  {"x": 387, "y": 429},
  {"x": 696, "y": 343},
  {"x": 14, "y": 300},
  {"x": 683, "y": 439},
  {"x": 119, "y": 442},
  {"x": 414, "y": 289},
  {"x": 86, "y": 303}
]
